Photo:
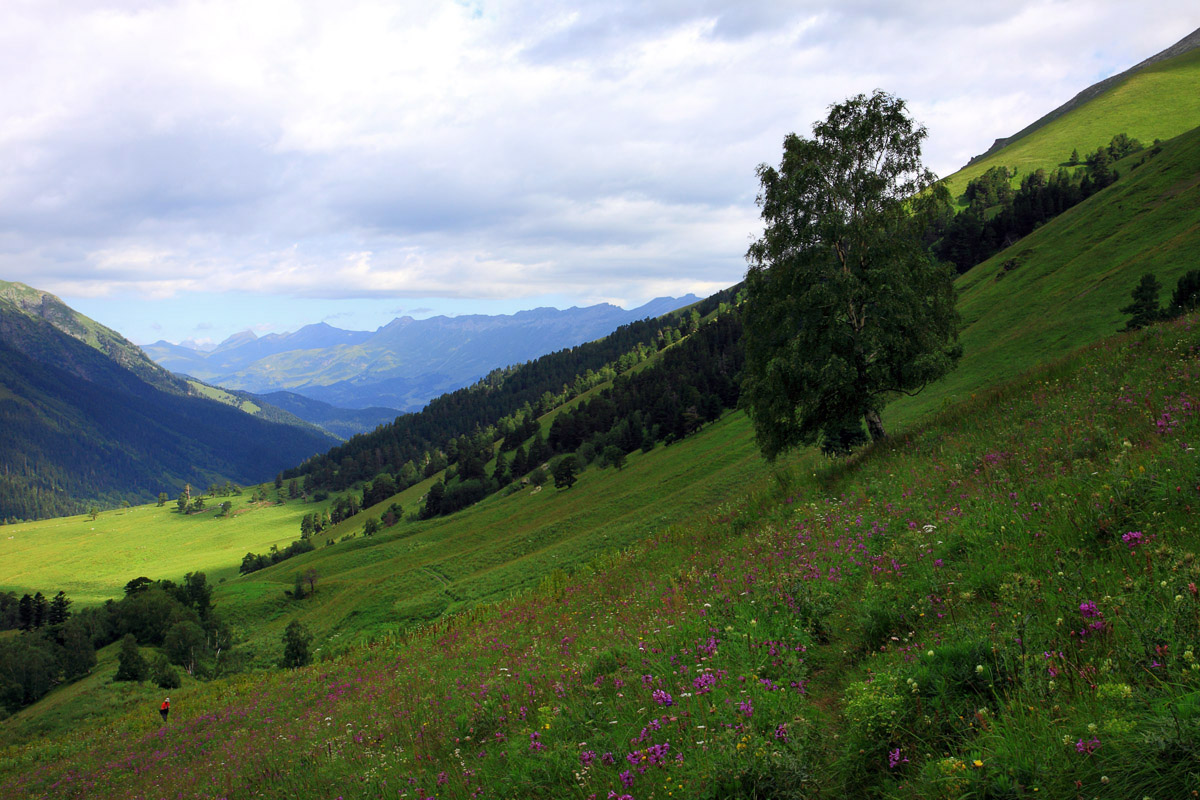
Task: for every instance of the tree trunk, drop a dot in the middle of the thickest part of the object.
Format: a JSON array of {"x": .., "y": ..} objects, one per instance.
[{"x": 875, "y": 426}]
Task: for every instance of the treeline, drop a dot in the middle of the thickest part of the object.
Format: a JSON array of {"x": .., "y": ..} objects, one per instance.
[
  {"x": 418, "y": 445},
  {"x": 179, "y": 619},
  {"x": 997, "y": 215},
  {"x": 693, "y": 383},
  {"x": 1145, "y": 309},
  {"x": 252, "y": 562}
]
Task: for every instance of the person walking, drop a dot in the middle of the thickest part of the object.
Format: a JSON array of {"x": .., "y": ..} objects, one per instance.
[{"x": 165, "y": 709}]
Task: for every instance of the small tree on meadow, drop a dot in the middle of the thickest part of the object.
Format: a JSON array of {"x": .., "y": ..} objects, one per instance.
[
  {"x": 566, "y": 472},
  {"x": 1144, "y": 309},
  {"x": 130, "y": 664},
  {"x": 296, "y": 639}
]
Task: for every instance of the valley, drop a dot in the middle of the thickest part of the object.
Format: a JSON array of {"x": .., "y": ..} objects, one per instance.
[{"x": 574, "y": 574}]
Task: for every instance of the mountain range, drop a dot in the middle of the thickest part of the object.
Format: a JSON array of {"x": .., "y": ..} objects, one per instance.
[{"x": 402, "y": 365}]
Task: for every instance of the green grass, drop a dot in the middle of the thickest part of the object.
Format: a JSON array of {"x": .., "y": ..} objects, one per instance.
[
  {"x": 222, "y": 396},
  {"x": 918, "y": 606},
  {"x": 1072, "y": 275},
  {"x": 1160, "y": 102},
  {"x": 91, "y": 560},
  {"x": 419, "y": 570}
]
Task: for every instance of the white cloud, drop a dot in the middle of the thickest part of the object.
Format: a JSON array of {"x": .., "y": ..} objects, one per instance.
[{"x": 476, "y": 150}]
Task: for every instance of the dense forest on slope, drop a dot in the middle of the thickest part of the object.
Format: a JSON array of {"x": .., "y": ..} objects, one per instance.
[
  {"x": 528, "y": 390},
  {"x": 80, "y": 429}
]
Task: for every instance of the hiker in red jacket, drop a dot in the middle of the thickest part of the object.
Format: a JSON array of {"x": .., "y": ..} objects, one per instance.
[{"x": 165, "y": 709}]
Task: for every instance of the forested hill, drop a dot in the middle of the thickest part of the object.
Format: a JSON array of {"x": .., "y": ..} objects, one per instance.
[
  {"x": 525, "y": 391},
  {"x": 80, "y": 428}
]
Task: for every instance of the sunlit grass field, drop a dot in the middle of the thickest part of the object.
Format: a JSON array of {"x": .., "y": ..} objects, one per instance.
[
  {"x": 91, "y": 560},
  {"x": 1161, "y": 102}
]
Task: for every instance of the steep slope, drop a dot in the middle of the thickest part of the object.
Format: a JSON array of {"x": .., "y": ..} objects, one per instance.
[
  {"x": 1155, "y": 100},
  {"x": 79, "y": 427},
  {"x": 894, "y": 626},
  {"x": 45, "y": 306},
  {"x": 1062, "y": 286},
  {"x": 1184, "y": 45}
]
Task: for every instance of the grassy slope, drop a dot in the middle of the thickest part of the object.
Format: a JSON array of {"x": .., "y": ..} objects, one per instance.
[
  {"x": 920, "y": 602},
  {"x": 1074, "y": 274},
  {"x": 1160, "y": 102},
  {"x": 418, "y": 570}
]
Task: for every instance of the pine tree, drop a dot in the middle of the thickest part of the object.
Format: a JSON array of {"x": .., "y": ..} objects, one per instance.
[
  {"x": 1144, "y": 309},
  {"x": 59, "y": 609},
  {"x": 1186, "y": 296},
  {"x": 130, "y": 664},
  {"x": 296, "y": 639}
]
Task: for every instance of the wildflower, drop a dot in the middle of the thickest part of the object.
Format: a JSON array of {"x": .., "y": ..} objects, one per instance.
[
  {"x": 662, "y": 698},
  {"x": 1132, "y": 539},
  {"x": 747, "y": 708},
  {"x": 586, "y": 758},
  {"x": 626, "y": 779},
  {"x": 894, "y": 759},
  {"x": 781, "y": 733},
  {"x": 979, "y": 669}
]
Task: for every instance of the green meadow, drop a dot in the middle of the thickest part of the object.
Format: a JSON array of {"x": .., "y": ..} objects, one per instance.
[
  {"x": 91, "y": 560},
  {"x": 1160, "y": 102}
]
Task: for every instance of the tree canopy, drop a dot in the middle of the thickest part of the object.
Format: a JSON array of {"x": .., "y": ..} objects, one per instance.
[{"x": 845, "y": 305}]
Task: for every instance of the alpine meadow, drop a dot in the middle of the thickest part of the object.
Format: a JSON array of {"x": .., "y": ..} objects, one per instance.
[{"x": 909, "y": 512}]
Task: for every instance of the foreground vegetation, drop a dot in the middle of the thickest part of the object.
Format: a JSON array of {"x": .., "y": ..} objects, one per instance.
[{"x": 1000, "y": 603}]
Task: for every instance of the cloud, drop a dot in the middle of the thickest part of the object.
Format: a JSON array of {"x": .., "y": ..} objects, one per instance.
[{"x": 480, "y": 150}]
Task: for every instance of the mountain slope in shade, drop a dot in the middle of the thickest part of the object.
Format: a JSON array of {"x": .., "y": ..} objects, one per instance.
[
  {"x": 405, "y": 363},
  {"x": 80, "y": 427},
  {"x": 343, "y": 422}
]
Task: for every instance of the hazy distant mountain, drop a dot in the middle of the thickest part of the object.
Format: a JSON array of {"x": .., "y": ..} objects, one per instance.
[
  {"x": 86, "y": 417},
  {"x": 343, "y": 422},
  {"x": 405, "y": 363}
]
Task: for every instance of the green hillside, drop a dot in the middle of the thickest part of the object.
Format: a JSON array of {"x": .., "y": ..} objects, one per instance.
[
  {"x": 1061, "y": 287},
  {"x": 999, "y": 601},
  {"x": 1159, "y": 102},
  {"x": 864, "y": 599}
]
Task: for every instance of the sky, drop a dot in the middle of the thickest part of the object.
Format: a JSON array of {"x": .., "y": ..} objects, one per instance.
[{"x": 187, "y": 169}]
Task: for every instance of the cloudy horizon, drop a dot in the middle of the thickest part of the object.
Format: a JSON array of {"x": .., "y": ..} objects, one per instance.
[{"x": 188, "y": 169}]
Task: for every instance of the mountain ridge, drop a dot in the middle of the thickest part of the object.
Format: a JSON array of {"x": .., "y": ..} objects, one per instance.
[{"x": 405, "y": 363}]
